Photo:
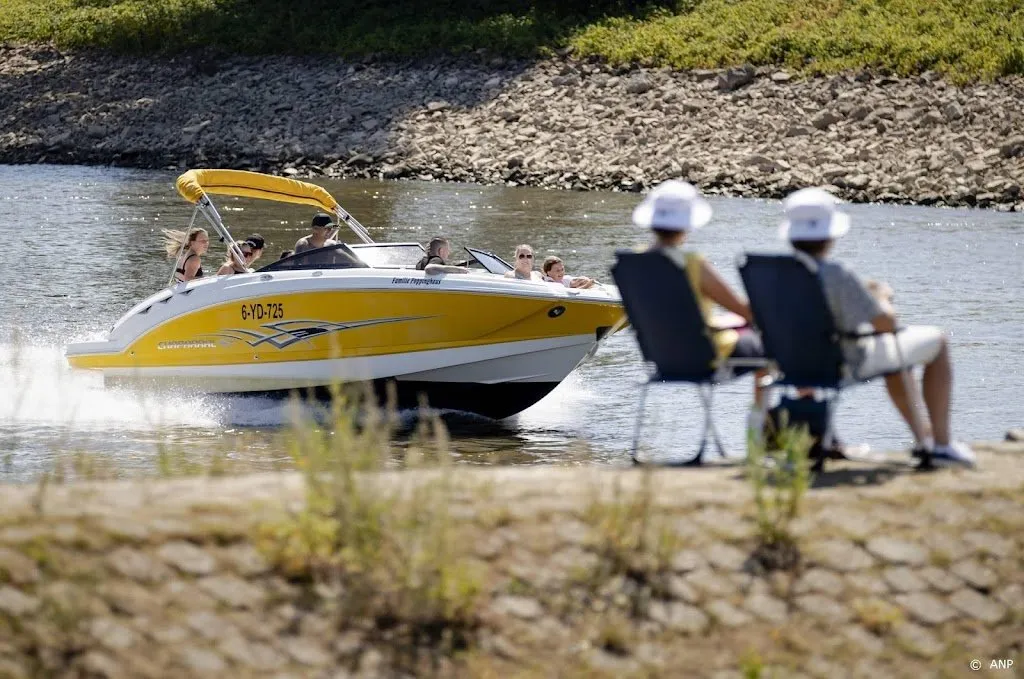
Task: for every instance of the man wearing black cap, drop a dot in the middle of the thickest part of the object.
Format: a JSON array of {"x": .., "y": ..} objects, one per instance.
[{"x": 320, "y": 230}]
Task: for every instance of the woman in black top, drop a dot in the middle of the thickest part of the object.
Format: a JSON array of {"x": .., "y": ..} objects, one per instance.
[
  {"x": 189, "y": 249},
  {"x": 230, "y": 265}
]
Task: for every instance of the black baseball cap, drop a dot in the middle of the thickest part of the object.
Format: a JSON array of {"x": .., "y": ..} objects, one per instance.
[
  {"x": 257, "y": 241},
  {"x": 322, "y": 219}
]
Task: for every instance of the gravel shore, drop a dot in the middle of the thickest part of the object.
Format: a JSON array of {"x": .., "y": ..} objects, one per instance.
[{"x": 559, "y": 123}]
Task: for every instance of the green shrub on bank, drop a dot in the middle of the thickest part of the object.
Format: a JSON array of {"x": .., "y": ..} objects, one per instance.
[
  {"x": 966, "y": 40},
  {"x": 343, "y": 27}
]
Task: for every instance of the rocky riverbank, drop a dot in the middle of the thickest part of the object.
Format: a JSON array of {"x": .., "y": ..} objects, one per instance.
[
  {"x": 903, "y": 575},
  {"x": 561, "y": 123}
]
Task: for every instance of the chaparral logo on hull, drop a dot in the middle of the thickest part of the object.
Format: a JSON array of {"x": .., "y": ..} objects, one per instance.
[
  {"x": 286, "y": 333},
  {"x": 188, "y": 344}
]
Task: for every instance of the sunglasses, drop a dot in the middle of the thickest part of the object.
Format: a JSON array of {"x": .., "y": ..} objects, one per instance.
[{"x": 523, "y": 255}]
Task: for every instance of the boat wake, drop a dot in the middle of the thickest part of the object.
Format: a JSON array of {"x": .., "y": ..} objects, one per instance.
[
  {"x": 48, "y": 410},
  {"x": 38, "y": 388}
]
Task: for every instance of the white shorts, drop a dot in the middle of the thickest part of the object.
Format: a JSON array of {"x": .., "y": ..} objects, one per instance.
[{"x": 919, "y": 344}]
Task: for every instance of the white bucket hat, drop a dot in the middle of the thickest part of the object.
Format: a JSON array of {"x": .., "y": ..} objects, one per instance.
[
  {"x": 813, "y": 214},
  {"x": 674, "y": 206}
]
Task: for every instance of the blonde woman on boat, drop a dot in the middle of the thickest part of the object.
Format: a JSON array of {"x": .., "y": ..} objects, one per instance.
[
  {"x": 230, "y": 265},
  {"x": 523, "y": 270},
  {"x": 188, "y": 247}
]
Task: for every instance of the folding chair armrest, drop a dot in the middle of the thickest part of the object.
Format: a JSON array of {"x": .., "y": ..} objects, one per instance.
[
  {"x": 724, "y": 368},
  {"x": 872, "y": 333},
  {"x": 747, "y": 362}
]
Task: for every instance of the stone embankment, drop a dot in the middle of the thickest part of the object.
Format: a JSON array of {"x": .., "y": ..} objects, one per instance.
[
  {"x": 903, "y": 575},
  {"x": 560, "y": 123}
]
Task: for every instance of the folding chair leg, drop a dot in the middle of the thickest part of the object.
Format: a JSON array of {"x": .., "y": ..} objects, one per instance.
[
  {"x": 706, "y": 397},
  {"x": 828, "y": 437},
  {"x": 639, "y": 422},
  {"x": 708, "y": 406}
]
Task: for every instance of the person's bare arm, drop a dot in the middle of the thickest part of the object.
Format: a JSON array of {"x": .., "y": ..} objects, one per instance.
[
  {"x": 716, "y": 289},
  {"x": 884, "y": 322}
]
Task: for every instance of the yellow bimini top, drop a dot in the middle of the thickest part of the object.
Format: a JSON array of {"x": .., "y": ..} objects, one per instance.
[{"x": 195, "y": 184}]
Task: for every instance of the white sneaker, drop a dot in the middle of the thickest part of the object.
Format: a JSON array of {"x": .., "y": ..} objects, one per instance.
[{"x": 954, "y": 452}]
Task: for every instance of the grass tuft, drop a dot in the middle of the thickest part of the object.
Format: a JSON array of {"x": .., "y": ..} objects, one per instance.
[
  {"x": 388, "y": 542},
  {"x": 634, "y": 542},
  {"x": 876, "y": 615},
  {"x": 779, "y": 479},
  {"x": 751, "y": 666}
]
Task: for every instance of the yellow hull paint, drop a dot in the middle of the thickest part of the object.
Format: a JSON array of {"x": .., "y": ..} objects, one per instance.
[{"x": 351, "y": 323}]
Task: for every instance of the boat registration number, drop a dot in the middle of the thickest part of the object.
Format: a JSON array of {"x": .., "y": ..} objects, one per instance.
[{"x": 258, "y": 311}]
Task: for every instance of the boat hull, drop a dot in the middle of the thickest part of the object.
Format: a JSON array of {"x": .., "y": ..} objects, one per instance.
[
  {"x": 495, "y": 401},
  {"x": 475, "y": 343}
]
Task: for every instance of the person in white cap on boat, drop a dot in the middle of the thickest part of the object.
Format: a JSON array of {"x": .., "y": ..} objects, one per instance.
[
  {"x": 812, "y": 223},
  {"x": 672, "y": 211}
]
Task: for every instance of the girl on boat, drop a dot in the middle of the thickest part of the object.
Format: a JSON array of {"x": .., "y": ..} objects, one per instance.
[
  {"x": 188, "y": 247},
  {"x": 230, "y": 265}
]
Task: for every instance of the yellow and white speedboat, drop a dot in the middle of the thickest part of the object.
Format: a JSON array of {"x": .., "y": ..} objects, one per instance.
[{"x": 477, "y": 342}]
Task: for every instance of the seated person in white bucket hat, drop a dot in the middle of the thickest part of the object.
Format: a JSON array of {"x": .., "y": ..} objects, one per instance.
[
  {"x": 671, "y": 211},
  {"x": 812, "y": 224}
]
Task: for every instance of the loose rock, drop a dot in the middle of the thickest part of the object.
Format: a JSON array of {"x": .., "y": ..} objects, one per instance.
[
  {"x": 977, "y": 606},
  {"x": 897, "y": 551},
  {"x": 881, "y": 139},
  {"x": 187, "y": 558},
  {"x": 926, "y": 608},
  {"x": 680, "y": 617}
]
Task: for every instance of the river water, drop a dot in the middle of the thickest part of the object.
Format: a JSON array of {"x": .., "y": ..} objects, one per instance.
[{"x": 81, "y": 245}]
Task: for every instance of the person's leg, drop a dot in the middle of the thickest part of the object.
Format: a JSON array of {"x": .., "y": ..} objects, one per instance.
[
  {"x": 927, "y": 346},
  {"x": 917, "y": 345},
  {"x": 937, "y": 384},
  {"x": 896, "y": 384}
]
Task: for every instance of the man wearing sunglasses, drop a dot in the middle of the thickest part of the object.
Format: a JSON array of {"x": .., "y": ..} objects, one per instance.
[{"x": 524, "y": 265}]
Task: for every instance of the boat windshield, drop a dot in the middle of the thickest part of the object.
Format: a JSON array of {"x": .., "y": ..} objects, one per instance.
[
  {"x": 483, "y": 259},
  {"x": 390, "y": 255},
  {"x": 339, "y": 256}
]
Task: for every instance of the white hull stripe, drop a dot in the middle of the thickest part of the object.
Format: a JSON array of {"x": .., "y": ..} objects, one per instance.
[{"x": 544, "y": 360}]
